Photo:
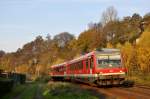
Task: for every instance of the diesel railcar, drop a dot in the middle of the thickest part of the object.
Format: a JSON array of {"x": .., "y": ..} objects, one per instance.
[{"x": 104, "y": 67}]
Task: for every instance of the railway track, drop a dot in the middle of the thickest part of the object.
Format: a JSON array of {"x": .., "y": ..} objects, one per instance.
[
  {"x": 135, "y": 92},
  {"x": 142, "y": 86}
]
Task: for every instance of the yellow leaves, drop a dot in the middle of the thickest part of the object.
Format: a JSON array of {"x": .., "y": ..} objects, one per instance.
[
  {"x": 72, "y": 44},
  {"x": 144, "y": 59},
  {"x": 109, "y": 45},
  {"x": 58, "y": 61},
  {"x": 129, "y": 55},
  {"x": 144, "y": 40},
  {"x": 88, "y": 40},
  {"x": 136, "y": 58},
  {"x": 119, "y": 45},
  {"x": 22, "y": 69},
  {"x": 148, "y": 28}
]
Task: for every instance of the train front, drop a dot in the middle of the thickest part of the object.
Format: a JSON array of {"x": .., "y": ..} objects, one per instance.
[{"x": 109, "y": 67}]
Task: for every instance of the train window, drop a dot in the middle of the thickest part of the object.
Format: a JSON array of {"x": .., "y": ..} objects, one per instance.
[
  {"x": 87, "y": 64},
  {"x": 59, "y": 69},
  {"x": 71, "y": 67},
  {"x": 62, "y": 68},
  {"x": 80, "y": 65},
  {"x": 105, "y": 63},
  {"x": 56, "y": 70},
  {"x": 75, "y": 65},
  {"x": 91, "y": 62}
]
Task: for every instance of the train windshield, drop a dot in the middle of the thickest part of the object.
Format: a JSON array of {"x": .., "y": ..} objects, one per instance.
[{"x": 108, "y": 61}]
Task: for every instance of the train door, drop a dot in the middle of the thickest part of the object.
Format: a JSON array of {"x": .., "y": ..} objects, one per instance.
[
  {"x": 91, "y": 64},
  {"x": 87, "y": 66}
]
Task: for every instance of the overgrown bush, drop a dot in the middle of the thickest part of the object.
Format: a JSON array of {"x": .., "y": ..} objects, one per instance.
[
  {"x": 17, "y": 78},
  {"x": 43, "y": 79},
  {"x": 5, "y": 85},
  {"x": 136, "y": 59}
]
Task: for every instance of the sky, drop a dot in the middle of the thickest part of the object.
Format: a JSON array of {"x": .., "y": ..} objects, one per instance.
[{"x": 22, "y": 20}]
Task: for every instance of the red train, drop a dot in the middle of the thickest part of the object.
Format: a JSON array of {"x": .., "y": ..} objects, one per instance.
[{"x": 102, "y": 67}]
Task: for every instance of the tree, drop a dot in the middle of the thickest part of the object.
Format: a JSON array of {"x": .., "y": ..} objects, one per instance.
[
  {"x": 85, "y": 40},
  {"x": 2, "y": 53},
  {"x": 144, "y": 40},
  {"x": 94, "y": 25},
  {"x": 131, "y": 27},
  {"x": 147, "y": 17},
  {"x": 136, "y": 17},
  {"x": 146, "y": 21},
  {"x": 63, "y": 39},
  {"x": 143, "y": 59},
  {"x": 109, "y": 15},
  {"x": 90, "y": 40},
  {"x": 48, "y": 38},
  {"x": 115, "y": 32},
  {"x": 129, "y": 55},
  {"x": 135, "y": 27}
]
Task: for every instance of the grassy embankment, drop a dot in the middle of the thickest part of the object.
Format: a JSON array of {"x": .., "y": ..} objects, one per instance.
[
  {"x": 26, "y": 91},
  {"x": 52, "y": 90},
  {"x": 63, "y": 90}
]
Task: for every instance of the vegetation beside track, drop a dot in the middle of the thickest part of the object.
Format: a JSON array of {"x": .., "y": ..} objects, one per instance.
[
  {"x": 26, "y": 91},
  {"x": 51, "y": 90},
  {"x": 63, "y": 90},
  {"x": 15, "y": 91},
  {"x": 143, "y": 79}
]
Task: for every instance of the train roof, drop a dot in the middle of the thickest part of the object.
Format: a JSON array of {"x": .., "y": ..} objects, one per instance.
[
  {"x": 101, "y": 51},
  {"x": 108, "y": 51},
  {"x": 58, "y": 65},
  {"x": 82, "y": 57}
]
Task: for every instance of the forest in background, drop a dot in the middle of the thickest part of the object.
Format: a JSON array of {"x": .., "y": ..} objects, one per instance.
[{"x": 131, "y": 34}]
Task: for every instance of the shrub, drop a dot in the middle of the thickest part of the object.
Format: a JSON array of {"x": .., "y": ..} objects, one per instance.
[{"x": 5, "y": 85}]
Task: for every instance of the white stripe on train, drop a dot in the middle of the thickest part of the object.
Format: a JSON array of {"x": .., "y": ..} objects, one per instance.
[{"x": 87, "y": 75}]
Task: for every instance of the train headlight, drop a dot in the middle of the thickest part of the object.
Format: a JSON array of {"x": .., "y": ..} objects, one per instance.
[
  {"x": 110, "y": 65},
  {"x": 121, "y": 71}
]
